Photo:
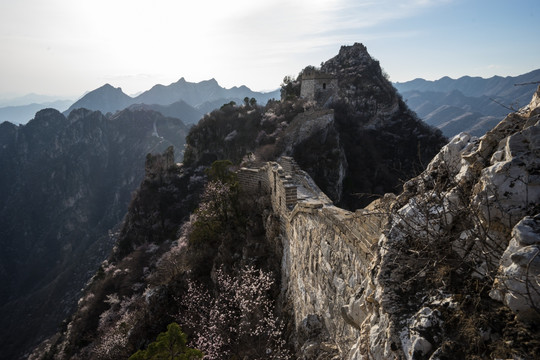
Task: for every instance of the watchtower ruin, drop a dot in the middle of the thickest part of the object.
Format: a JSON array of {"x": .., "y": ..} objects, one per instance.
[{"x": 317, "y": 85}]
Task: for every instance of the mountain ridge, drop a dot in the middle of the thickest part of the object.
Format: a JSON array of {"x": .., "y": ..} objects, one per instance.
[
  {"x": 110, "y": 99},
  {"x": 482, "y": 86},
  {"x": 21, "y": 114},
  {"x": 355, "y": 141},
  {"x": 484, "y": 102}
]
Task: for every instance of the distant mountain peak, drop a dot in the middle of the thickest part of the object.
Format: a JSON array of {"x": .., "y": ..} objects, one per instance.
[
  {"x": 107, "y": 98},
  {"x": 212, "y": 81},
  {"x": 465, "y": 104},
  {"x": 108, "y": 86},
  {"x": 181, "y": 82},
  {"x": 242, "y": 87}
]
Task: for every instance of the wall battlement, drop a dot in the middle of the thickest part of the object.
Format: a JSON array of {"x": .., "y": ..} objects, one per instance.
[
  {"x": 273, "y": 179},
  {"x": 284, "y": 182}
]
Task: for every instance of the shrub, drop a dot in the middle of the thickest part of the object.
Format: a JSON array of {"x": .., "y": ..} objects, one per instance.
[
  {"x": 169, "y": 345},
  {"x": 239, "y": 321}
]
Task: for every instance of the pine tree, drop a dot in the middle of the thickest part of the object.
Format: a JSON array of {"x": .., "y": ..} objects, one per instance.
[{"x": 169, "y": 345}]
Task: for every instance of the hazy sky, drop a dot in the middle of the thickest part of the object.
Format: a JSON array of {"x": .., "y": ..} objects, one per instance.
[{"x": 67, "y": 47}]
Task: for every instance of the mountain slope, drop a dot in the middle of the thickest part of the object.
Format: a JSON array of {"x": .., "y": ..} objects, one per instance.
[
  {"x": 484, "y": 102},
  {"x": 105, "y": 99},
  {"x": 179, "y": 110},
  {"x": 65, "y": 184},
  {"x": 21, "y": 114},
  {"x": 378, "y": 132}
]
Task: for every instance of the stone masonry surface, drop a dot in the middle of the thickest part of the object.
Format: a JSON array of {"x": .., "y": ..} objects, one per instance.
[
  {"x": 326, "y": 251},
  {"x": 318, "y": 86}
]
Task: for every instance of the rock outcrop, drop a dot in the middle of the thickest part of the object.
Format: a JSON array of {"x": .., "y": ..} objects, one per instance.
[
  {"x": 464, "y": 230},
  {"x": 384, "y": 142}
]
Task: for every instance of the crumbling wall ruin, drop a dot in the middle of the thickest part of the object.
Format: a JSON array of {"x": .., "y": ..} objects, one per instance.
[{"x": 327, "y": 252}]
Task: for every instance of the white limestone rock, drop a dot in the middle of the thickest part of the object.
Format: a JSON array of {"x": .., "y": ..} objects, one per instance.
[
  {"x": 517, "y": 281},
  {"x": 510, "y": 185},
  {"x": 422, "y": 325}
]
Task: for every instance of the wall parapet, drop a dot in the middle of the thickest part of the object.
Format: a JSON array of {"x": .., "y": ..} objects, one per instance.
[
  {"x": 359, "y": 228},
  {"x": 253, "y": 181}
]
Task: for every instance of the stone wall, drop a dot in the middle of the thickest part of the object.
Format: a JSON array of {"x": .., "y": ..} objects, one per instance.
[
  {"x": 253, "y": 181},
  {"x": 326, "y": 257},
  {"x": 326, "y": 264},
  {"x": 274, "y": 179}
]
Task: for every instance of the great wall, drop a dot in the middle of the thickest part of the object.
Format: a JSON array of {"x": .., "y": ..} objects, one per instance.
[{"x": 326, "y": 253}]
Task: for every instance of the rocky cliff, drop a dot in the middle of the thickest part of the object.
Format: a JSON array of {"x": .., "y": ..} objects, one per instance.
[
  {"x": 379, "y": 134},
  {"x": 64, "y": 186},
  {"x": 454, "y": 275}
]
